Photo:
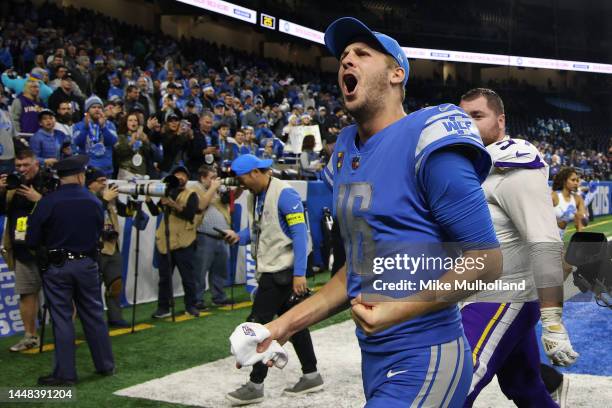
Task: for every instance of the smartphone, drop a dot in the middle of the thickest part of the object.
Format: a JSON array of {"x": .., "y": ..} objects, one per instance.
[{"x": 220, "y": 231}]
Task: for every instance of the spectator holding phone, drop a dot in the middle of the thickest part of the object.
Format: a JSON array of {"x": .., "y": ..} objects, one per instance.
[
  {"x": 174, "y": 139},
  {"x": 133, "y": 149}
]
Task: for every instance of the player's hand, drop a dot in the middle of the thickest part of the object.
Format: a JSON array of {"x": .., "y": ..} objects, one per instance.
[
  {"x": 373, "y": 317},
  {"x": 3, "y": 182},
  {"x": 50, "y": 162},
  {"x": 555, "y": 338},
  {"x": 300, "y": 285},
  {"x": 231, "y": 237},
  {"x": 110, "y": 193},
  {"x": 279, "y": 331},
  {"x": 29, "y": 193}
]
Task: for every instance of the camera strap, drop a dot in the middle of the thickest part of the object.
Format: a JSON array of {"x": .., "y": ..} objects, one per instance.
[{"x": 257, "y": 214}]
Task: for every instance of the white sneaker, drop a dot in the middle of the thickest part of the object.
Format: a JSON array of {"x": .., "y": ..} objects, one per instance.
[{"x": 29, "y": 341}]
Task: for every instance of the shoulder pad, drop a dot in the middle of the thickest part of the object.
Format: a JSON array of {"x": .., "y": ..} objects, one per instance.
[{"x": 515, "y": 153}]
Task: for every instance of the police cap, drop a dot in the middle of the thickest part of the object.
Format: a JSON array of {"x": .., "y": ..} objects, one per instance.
[{"x": 71, "y": 165}]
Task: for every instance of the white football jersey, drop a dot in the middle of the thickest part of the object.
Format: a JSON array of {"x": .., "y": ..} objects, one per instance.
[{"x": 521, "y": 208}]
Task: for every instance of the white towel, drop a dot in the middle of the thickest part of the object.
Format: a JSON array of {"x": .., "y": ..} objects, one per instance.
[{"x": 244, "y": 341}]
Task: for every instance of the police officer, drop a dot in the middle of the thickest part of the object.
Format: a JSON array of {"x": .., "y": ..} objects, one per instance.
[
  {"x": 65, "y": 230},
  {"x": 280, "y": 245}
]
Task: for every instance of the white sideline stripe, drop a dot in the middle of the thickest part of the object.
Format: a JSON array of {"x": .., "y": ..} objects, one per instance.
[{"x": 339, "y": 362}]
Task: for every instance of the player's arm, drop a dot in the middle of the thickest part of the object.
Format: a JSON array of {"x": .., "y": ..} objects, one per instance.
[
  {"x": 452, "y": 189},
  {"x": 523, "y": 195},
  {"x": 329, "y": 300}
]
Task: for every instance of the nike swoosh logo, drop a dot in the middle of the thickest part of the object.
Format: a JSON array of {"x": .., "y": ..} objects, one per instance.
[
  {"x": 296, "y": 207},
  {"x": 519, "y": 154},
  {"x": 390, "y": 373}
]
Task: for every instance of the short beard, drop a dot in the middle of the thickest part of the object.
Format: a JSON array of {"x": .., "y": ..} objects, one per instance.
[
  {"x": 65, "y": 119},
  {"x": 374, "y": 100}
]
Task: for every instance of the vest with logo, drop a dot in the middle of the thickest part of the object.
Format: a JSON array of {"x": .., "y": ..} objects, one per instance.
[
  {"x": 182, "y": 232},
  {"x": 275, "y": 248}
]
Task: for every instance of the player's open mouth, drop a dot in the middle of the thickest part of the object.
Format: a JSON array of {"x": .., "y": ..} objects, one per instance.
[{"x": 350, "y": 83}]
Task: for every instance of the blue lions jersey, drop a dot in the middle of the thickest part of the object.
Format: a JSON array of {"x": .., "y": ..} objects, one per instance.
[{"x": 379, "y": 198}]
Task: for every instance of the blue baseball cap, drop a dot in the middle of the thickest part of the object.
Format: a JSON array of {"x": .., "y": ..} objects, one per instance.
[
  {"x": 343, "y": 31},
  {"x": 247, "y": 162}
]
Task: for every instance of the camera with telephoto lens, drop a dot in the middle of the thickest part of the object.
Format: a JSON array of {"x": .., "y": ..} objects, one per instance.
[
  {"x": 227, "y": 175},
  {"x": 167, "y": 187}
]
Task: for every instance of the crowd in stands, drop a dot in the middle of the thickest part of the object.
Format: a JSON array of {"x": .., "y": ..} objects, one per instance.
[
  {"x": 75, "y": 81},
  {"x": 139, "y": 104}
]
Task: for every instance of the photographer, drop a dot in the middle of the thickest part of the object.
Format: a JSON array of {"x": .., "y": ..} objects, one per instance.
[
  {"x": 280, "y": 246},
  {"x": 213, "y": 252},
  {"x": 18, "y": 198},
  {"x": 181, "y": 208},
  {"x": 110, "y": 258}
]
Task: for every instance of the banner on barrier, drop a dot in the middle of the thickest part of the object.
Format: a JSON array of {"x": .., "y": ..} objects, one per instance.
[{"x": 10, "y": 317}]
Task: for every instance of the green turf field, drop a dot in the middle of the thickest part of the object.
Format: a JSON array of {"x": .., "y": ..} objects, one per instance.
[
  {"x": 164, "y": 349},
  {"x": 599, "y": 224}
]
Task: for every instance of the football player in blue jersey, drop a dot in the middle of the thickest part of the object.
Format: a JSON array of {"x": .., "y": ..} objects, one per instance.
[
  {"x": 500, "y": 325},
  {"x": 400, "y": 181}
]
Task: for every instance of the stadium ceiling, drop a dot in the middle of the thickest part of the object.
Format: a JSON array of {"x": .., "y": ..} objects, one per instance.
[{"x": 590, "y": 42}]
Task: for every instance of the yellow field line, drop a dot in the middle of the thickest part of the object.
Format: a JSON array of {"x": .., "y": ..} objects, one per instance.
[
  {"x": 138, "y": 327},
  {"x": 591, "y": 225},
  {"x": 184, "y": 317},
  {"x": 47, "y": 347}
]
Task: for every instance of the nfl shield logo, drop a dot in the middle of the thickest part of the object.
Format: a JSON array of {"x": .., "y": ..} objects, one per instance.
[
  {"x": 355, "y": 162},
  {"x": 248, "y": 331}
]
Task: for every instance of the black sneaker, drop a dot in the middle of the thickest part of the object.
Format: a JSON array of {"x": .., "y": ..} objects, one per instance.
[
  {"x": 192, "y": 311},
  {"x": 161, "y": 313},
  {"x": 201, "y": 307},
  {"x": 51, "y": 381}
]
